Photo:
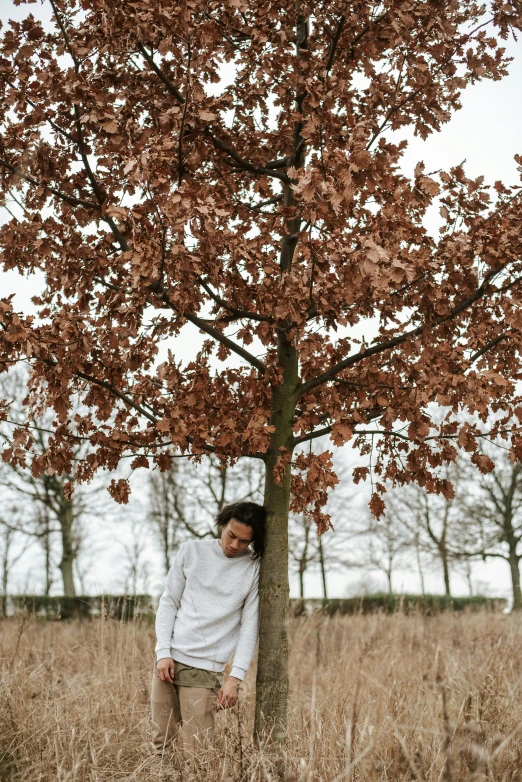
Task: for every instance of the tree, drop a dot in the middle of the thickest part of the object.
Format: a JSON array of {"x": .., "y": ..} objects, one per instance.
[
  {"x": 136, "y": 565},
  {"x": 434, "y": 525},
  {"x": 306, "y": 548},
  {"x": 44, "y": 489},
  {"x": 231, "y": 167},
  {"x": 8, "y": 560},
  {"x": 43, "y": 533},
  {"x": 495, "y": 506},
  {"x": 301, "y": 546},
  {"x": 438, "y": 519},
  {"x": 386, "y": 546}
]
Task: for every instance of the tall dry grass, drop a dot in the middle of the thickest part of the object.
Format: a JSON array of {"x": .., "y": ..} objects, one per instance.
[{"x": 372, "y": 698}]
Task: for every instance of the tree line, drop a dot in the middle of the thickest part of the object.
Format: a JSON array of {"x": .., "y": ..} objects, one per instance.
[{"x": 483, "y": 520}]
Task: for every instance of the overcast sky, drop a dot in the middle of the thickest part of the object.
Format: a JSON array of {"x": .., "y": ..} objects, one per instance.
[{"x": 486, "y": 134}]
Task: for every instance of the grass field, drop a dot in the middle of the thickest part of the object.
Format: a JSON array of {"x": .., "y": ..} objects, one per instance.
[{"x": 372, "y": 698}]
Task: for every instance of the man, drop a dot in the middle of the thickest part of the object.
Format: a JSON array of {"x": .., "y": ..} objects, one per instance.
[{"x": 208, "y": 611}]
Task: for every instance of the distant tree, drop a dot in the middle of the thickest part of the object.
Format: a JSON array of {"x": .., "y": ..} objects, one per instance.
[
  {"x": 9, "y": 538},
  {"x": 433, "y": 525},
  {"x": 43, "y": 532},
  {"x": 386, "y": 545},
  {"x": 44, "y": 494},
  {"x": 302, "y": 546},
  {"x": 495, "y": 507},
  {"x": 135, "y": 563},
  {"x": 438, "y": 518}
]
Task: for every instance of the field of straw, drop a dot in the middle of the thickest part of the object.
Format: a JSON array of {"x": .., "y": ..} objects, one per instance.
[{"x": 372, "y": 698}]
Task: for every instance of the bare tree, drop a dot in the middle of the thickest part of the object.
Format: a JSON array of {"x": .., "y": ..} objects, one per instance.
[
  {"x": 9, "y": 537},
  {"x": 434, "y": 527},
  {"x": 434, "y": 516},
  {"x": 386, "y": 545},
  {"x": 137, "y": 566},
  {"x": 495, "y": 508},
  {"x": 51, "y": 509},
  {"x": 302, "y": 546},
  {"x": 334, "y": 550}
]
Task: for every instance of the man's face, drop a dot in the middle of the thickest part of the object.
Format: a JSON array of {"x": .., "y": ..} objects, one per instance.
[{"x": 235, "y": 537}]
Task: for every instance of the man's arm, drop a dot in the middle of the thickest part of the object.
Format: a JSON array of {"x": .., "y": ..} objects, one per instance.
[
  {"x": 247, "y": 641},
  {"x": 169, "y": 604}
]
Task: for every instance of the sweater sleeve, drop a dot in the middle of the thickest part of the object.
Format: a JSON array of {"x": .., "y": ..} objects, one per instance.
[
  {"x": 246, "y": 644},
  {"x": 169, "y": 604}
]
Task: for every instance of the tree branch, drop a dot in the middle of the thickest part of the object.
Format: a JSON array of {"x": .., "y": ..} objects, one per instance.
[
  {"x": 236, "y": 313},
  {"x": 335, "y": 42},
  {"x": 33, "y": 104},
  {"x": 58, "y": 193},
  {"x": 374, "y": 413},
  {"x": 491, "y": 344},
  {"x": 216, "y": 334},
  {"x": 244, "y": 164},
  {"x": 398, "y": 340},
  {"x": 109, "y": 387},
  {"x": 98, "y": 192},
  {"x": 164, "y": 79}
]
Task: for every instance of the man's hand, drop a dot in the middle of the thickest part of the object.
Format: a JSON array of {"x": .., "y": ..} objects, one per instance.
[
  {"x": 228, "y": 693},
  {"x": 165, "y": 669}
]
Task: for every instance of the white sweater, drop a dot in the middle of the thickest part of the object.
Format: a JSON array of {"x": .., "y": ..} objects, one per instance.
[{"x": 210, "y": 608}]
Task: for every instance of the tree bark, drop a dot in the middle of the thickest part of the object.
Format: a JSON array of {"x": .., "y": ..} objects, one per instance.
[
  {"x": 445, "y": 568},
  {"x": 515, "y": 579},
  {"x": 323, "y": 569},
  {"x": 46, "y": 543},
  {"x": 166, "y": 549},
  {"x": 5, "y": 570},
  {"x": 421, "y": 571},
  {"x": 66, "y": 518},
  {"x": 274, "y": 588},
  {"x": 389, "y": 578}
]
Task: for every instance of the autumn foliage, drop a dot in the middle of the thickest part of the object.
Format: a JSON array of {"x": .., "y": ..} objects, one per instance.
[{"x": 150, "y": 199}]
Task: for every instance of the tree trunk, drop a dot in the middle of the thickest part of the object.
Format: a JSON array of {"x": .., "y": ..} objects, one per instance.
[
  {"x": 46, "y": 541},
  {"x": 301, "y": 579},
  {"x": 389, "y": 577},
  {"x": 419, "y": 568},
  {"x": 445, "y": 569},
  {"x": 5, "y": 570},
  {"x": 166, "y": 549},
  {"x": 515, "y": 579},
  {"x": 469, "y": 578},
  {"x": 66, "y": 518},
  {"x": 323, "y": 569},
  {"x": 274, "y": 588}
]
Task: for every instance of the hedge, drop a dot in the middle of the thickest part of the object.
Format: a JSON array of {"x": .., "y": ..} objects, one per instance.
[
  {"x": 384, "y": 602},
  {"x": 82, "y": 606},
  {"x": 129, "y": 606}
]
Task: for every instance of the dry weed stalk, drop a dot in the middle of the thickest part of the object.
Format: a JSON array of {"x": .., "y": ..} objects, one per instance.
[{"x": 373, "y": 698}]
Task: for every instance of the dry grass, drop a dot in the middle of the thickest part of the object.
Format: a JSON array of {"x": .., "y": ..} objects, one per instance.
[{"x": 372, "y": 698}]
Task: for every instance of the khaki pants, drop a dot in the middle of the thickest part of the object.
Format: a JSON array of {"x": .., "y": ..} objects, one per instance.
[{"x": 186, "y": 711}]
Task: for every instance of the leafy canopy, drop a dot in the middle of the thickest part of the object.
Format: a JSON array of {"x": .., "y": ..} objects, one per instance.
[{"x": 230, "y": 164}]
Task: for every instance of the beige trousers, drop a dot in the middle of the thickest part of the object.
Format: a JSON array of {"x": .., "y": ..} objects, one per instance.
[{"x": 186, "y": 711}]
